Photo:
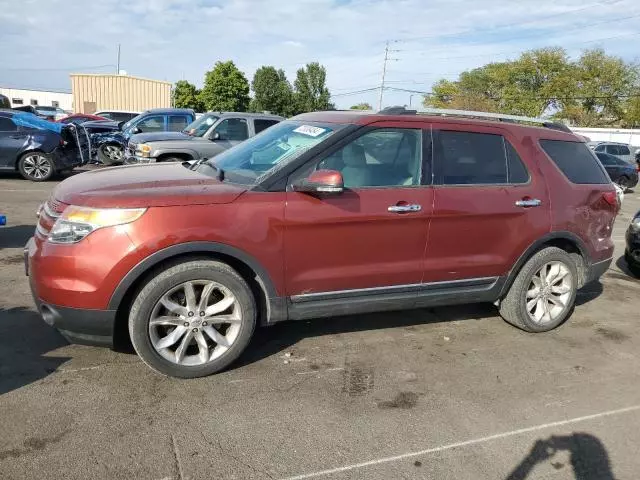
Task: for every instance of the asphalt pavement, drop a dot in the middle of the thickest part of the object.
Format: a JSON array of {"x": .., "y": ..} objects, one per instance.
[{"x": 444, "y": 393}]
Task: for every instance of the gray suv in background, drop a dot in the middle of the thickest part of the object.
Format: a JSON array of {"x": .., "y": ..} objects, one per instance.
[
  {"x": 206, "y": 137},
  {"x": 623, "y": 151}
]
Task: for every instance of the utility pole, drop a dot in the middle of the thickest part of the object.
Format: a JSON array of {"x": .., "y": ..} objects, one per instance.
[
  {"x": 384, "y": 70},
  {"x": 118, "y": 62}
]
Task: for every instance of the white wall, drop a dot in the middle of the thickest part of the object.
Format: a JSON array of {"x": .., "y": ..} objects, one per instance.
[
  {"x": 630, "y": 136},
  {"x": 65, "y": 100}
]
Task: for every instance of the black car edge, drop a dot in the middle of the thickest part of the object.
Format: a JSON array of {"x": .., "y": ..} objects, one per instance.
[
  {"x": 622, "y": 173},
  {"x": 632, "y": 250},
  {"x": 39, "y": 149}
]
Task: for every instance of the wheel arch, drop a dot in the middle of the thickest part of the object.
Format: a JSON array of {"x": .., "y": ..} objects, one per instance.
[
  {"x": 25, "y": 152},
  {"x": 567, "y": 241},
  {"x": 271, "y": 308},
  {"x": 182, "y": 154}
]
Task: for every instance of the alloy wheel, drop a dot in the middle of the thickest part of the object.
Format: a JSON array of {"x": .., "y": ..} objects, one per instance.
[
  {"x": 36, "y": 166},
  {"x": 195, "y": 322},
  {"x": 549, "y": 292},
  {"x": 114, "y": 152}
]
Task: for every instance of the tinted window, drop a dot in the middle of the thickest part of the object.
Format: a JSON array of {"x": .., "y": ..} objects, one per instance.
[
  {"x": 623, "y": 150},
  {"x": 600, "y": 148},
  {"x": 6, "y": 125},
  {"x": 613, "y": 149},
  {"x": 575, "y": 160},
  {"x": 464, "y": 158},
  {"x": 233, "y": 129},
  {"x": 381, "y": 158},
  {"x": 260, "y": 125},
  {"x": 516, "y": 171},
  {"x": 177, "y": 123},
  {"x": 151, "y": 124}
]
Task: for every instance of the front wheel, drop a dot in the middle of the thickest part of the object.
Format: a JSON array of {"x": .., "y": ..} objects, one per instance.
[
  {"x": 192, "y": 319},
  {"x": 36, "y": 166},
  {"x": 111, "y": 154},
  {"x": 544, "y": 292}
]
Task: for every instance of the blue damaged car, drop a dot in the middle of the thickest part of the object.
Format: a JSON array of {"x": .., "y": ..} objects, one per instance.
[
  {"x": 109, "y": 139},
  {"x": 37, "y": 148}
]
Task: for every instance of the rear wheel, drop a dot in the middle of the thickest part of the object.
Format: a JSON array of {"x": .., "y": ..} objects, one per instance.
[
  {"x": 623, "y": 182},
  {"x": 192, "y": 319},
  {"x": 36, "y": 166},
  {"x": 543, "y": 294},
  {"x": 111, "y": 154}
]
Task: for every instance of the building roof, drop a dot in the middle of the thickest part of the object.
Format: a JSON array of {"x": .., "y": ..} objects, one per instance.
[{"x": 105, "y": 75}]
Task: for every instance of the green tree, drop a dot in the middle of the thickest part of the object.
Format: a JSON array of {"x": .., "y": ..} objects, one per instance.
[
  {"x": 592, "y": 90},
  {"x": 185, "y": 95},
  {"x": 225, "y": 89},
  {"x": 311, "y": 92},
  {"x": 361, "y": 106},
  {"x": 271, "y": 92}
]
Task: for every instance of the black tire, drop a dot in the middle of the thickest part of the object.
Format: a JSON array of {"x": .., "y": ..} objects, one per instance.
[
  {"x": 36, "y": 166},
  {"x": 623, "y": 182},
  {"x": 634, "y": 267},
  {"x": 513, "y": 307},
  {"x": 168, "y": 279},
  {"x": 108, "y": 159}
]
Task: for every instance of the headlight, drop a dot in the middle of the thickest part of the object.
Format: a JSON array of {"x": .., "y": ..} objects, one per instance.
[
  {"x": 77, "y": 222},
  {"x": 143, "y": 150}
]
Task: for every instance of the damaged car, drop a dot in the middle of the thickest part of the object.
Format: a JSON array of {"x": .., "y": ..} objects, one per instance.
[{"x": 39, "y": 149}]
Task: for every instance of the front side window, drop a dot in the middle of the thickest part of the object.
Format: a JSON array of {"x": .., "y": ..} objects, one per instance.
[
  {"x": 606, "y": 159},
  {"x": 471, "y": 158},
  {"x": 232, "y": 129},
  {"x": 613, "y": 150},
  {"x": 600, "y": 148},
  {"x": 151, "y": 124},
  {"x": 381, "y": 158},
  {"x": 249, "y": 161}
]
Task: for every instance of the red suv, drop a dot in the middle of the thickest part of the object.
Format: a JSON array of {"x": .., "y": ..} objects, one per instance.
[{"x": 326, "y": 214}]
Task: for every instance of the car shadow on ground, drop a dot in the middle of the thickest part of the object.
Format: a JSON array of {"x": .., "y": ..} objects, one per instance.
[
  {"x": 15, "y": 236},
  {"x": 588, "y": 457},
  {"x": 621, "y": 263},
  {"x": 268, "y": 341},
  {"x": 24, "y": 342},
  {"x": 589, "y": 292}
]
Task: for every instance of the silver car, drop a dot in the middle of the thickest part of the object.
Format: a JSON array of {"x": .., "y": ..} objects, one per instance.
[
  {"x": 206, "y": 137},
  {"x": 623, "y": 151}
]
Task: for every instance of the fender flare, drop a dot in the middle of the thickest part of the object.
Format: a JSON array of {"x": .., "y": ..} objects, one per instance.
[
  {"x": 184, "y": 248},
  {"x": 535, "y": 246}
]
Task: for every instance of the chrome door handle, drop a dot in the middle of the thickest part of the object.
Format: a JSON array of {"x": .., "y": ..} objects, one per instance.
[
  {"x": 533, "y": 202},
  {"x": 404, "y": 208}
]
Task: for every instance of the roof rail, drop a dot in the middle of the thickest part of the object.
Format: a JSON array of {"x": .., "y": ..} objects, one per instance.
[{"x": 472, "y": 114}]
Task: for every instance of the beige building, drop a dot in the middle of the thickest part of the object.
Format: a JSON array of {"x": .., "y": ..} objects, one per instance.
[{"x": 95, "y": 92}]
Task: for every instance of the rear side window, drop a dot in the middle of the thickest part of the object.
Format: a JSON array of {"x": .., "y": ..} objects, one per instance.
[
  {"x": 470, "y": 158},
  {"x": 576, "y": 161},
  {"x": 260, "y": 124}
]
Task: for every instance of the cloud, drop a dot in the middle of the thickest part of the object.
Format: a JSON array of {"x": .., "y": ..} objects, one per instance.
[{"x": 173, "y": 39}]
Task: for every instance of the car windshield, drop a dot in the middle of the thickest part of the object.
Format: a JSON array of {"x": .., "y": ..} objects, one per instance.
[
  {"x": 128, "y": 124},
  {"x": 276, "y": 146},
  {"x": 199, "y": 126}
]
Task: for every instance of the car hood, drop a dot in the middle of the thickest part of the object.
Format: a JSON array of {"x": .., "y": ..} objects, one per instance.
[
  {"x": 136, "y": 186},
  {"x": 158, "y": 136}
]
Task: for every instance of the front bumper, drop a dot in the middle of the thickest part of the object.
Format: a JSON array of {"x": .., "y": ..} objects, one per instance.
[{"x": 134, "y": 159}]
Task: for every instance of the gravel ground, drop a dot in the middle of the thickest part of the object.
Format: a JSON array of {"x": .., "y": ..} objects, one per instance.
[{"x": 450, "y": 393}]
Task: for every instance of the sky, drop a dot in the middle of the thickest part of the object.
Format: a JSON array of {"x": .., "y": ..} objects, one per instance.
[{"x": 42, "y": 41}]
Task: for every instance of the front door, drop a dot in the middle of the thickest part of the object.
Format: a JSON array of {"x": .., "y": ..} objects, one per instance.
[
  {"x": 11, "y": 142},
  {"x": 373, "y": 235},
  {"x": 488, "y": 205}
]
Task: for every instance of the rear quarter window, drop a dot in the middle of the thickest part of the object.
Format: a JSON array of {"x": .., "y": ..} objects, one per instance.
[{"x": 576, "y": 161}]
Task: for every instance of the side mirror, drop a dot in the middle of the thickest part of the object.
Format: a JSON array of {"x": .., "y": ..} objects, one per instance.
[
  {"x": 135, "y": 130},
  {"x": 321, "y": 181},
  {"x": 215, "y": 136},
  {"x": 121, "y": 124}
]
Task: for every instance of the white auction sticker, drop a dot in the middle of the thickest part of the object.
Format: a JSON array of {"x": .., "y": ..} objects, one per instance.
[{"x": 310, "y": 130}]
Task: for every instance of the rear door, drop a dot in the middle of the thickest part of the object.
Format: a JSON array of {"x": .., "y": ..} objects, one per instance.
[
  {"x": 11, "y": 142},
  {"x": 489, "y": 205},
  {"x": 373, "y": 235}
]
